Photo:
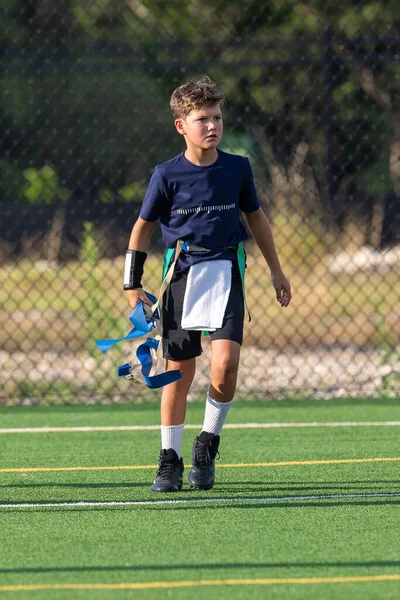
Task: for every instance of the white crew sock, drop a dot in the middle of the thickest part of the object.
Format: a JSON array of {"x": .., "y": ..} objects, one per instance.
[
  {"x": 215, "y": 415},
  {"x": 171, "y": 437}
]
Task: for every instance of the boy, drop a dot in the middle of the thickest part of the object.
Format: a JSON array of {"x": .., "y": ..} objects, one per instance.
[{"x": 197, "y": 196}]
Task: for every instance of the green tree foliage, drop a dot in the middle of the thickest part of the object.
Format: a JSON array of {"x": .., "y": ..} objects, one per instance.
[
  {"x": 43, "y": 186},
  {"x": 86, "y": 86}
]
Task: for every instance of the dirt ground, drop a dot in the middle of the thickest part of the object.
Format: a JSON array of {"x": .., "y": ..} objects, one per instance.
[{"x": 317, "y": 372}]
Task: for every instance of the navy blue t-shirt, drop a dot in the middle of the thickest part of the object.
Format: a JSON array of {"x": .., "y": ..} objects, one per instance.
[{"x": 201, "y": 205}]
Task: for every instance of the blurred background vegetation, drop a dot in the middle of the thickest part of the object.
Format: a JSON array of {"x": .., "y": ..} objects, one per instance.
[
  {"x": 312, "y": 88},
  {"x": 312, "y": 98}
]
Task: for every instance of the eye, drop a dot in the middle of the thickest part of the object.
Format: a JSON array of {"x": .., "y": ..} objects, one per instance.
[{"x": 218, "y": 118}]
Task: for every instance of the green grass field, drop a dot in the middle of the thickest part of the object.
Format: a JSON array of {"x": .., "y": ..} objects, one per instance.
[{"x": 308, "y": 512}]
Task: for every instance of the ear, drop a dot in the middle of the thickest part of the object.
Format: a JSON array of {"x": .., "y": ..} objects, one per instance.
[{"x": 180, "y": 126}]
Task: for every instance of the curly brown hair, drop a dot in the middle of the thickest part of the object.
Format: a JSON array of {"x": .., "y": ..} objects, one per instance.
[{"x": 194, "y": 95}]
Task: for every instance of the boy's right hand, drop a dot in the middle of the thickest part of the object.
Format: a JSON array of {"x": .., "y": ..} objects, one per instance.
[{"x": 137, "y": 295}]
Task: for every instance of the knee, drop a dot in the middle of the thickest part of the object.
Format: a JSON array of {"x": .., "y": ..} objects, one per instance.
[{"x": 227, "y": 366}]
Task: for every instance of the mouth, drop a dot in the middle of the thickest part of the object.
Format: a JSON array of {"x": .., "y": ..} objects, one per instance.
[{"x": 212, "y": 137}]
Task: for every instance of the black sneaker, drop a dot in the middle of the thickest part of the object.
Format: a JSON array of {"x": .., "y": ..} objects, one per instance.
[
  {"x": 170, "y": 472},
  {"x": 205, "y": 449}
]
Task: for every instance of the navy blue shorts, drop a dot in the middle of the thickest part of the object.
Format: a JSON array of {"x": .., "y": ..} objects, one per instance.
[{"x": 179, "y": 344}]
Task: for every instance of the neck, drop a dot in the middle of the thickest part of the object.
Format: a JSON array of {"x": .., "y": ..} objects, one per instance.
[{"x": 201, "y": 157}]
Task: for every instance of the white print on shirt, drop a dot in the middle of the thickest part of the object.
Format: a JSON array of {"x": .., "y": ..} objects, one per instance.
[{"x": 197, "y": 209}]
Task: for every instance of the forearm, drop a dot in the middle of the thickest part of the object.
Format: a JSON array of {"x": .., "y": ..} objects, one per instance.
[
  {"x": 136, "y": 254},
  {"x": 141, "y": 235},
  {"x": 260, "y": 229}
]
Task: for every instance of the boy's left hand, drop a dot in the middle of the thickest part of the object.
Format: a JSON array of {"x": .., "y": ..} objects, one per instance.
[{"x": 282, "y": 289}]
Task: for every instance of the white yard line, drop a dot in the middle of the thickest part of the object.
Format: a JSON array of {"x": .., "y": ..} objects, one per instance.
[
  {"x": 267, "y": 499},
  {"x": 89, "y": 429}
]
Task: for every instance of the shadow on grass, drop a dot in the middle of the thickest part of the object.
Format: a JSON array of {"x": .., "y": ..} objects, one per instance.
[
  {"x": 231, "y": 486},
  {"x": 312, "y": 503},
  {"x": 75, "y": 485},
  {"x": 298, "y": 486},
  {"x": 208, "y": 566}
]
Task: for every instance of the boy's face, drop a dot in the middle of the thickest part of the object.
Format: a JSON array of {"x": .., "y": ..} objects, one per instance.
[{"x": 202, "y": 128}]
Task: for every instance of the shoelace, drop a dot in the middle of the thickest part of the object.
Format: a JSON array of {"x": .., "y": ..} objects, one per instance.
[
  {"x": 203, "y": 454},
  {"x": 165, "y": 469}
]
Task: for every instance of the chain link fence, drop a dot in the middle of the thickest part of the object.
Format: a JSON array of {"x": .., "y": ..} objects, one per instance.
[{"x": 313, "y": 101}]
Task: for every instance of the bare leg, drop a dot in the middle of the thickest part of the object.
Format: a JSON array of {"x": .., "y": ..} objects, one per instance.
[
  {"x": 224, "y": 367},
  {"x": 174, "y": 395},
  {"x": 225, "y": 356}
]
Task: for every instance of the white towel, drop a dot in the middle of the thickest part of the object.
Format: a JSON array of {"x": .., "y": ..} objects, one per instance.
[{"x": 206, "y": 296}]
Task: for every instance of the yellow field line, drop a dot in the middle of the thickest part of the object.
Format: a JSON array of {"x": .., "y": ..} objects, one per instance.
[
  {"x": 293, "y": 463},
  {"x": 203, "y": 582}
]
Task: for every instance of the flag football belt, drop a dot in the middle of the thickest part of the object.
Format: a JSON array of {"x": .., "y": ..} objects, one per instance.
[
  {"x": 146, "y": 320},
  {"x": 172, "y": 254}
]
